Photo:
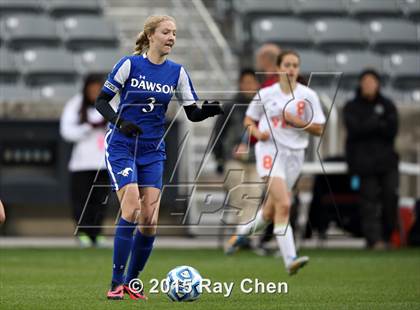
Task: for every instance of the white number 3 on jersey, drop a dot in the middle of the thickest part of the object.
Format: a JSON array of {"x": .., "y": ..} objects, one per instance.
[{"x": 150, "y": 105}]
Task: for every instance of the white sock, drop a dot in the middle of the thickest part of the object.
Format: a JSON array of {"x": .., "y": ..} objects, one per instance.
[
  {"x": 257, "y": 225},
  {"x": 284, "y": 236}
]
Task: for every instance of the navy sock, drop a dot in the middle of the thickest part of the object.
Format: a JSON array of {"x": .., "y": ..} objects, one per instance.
[
  {"x": 122, "y": 246},
  {"x": 140, "y": 251}
]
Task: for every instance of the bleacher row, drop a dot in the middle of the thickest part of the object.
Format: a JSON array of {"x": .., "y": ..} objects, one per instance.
[
  {"x": 338, "y": 36},
  {"x": 48, "y": 46},
  {"x": 359, "y": 9}
]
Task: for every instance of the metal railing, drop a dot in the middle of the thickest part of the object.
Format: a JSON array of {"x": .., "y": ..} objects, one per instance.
[{"x": 224, "y": 47}]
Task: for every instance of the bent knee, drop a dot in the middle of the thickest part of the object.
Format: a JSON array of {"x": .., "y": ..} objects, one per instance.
[
  {"x": 283, "y": 206},
  {"x": 131, "y": 214},
  {"x": 149, "y": 220},
  {"x": 268, "y": 213}
]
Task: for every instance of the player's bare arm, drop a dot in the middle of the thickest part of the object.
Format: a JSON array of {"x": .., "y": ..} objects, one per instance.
[
  {"x": 295, "y": 121},
  {"x": 253, "y": 130}
]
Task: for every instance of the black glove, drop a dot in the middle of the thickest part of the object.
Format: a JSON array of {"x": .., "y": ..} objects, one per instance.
[
  {"x": 128, "y": 128},
  {"x": 212, "y": 108}
]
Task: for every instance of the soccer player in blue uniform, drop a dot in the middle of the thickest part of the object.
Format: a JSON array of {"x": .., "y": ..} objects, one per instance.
[{"x": 135, "y": 152}]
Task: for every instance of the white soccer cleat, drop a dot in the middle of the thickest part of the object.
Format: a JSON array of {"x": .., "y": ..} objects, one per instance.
[
  {"x": 84, "y": 241},
  {"x": 296, "y": 264}
]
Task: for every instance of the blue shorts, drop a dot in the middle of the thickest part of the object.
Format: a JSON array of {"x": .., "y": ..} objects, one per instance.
[{"x": 127, "y": 162}]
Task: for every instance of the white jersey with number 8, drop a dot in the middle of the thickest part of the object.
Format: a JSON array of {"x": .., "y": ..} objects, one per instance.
[{"x": 282, "y": 155}]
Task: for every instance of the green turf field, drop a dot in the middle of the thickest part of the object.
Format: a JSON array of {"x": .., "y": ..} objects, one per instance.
[{"x": 334, "y": 279}]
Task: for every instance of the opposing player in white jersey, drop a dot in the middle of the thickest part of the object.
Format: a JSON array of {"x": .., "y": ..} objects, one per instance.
[{"x": 287, "y": 113}]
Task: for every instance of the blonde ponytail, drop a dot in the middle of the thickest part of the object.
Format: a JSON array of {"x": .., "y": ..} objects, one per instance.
[
  {"x": 142, "y": 43},
  {"x": 150, "y": 25}
]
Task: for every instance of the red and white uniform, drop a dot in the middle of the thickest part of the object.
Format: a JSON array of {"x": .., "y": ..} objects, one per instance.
[{"x": 283, "y": 154}]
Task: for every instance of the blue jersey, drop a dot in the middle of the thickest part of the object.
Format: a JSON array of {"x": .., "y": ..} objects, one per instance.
[{"x": 145, "y": 91}]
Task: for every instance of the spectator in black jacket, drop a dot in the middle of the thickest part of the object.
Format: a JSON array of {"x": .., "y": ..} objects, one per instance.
[{"x": 372, "y": 125}]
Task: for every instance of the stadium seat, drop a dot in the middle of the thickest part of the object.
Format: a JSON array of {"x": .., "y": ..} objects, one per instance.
[
  {"x": 82, "y": 32},
  {"x": 411, "y": 8},
  {"x": 255, "y": 8},
  {"x": 392, "y": 34},
  {"x": 245, "y": 12},
  {"x": 315, "y": 63},
  {"x": 399, "y": 96},
  {"x": 404, "y": 69},
  {"x": 9, "y": 72},
  {"x": 45, "y": 66},
  {"x": 8, "y": 7},
  {"x": 57, "y": 93},
  {"x": 414, "y": 96},
  {"x": 23, "y": 31},
  {"x": 337, "y": 34},
  {"x": 98, "y": 61},
  {"x": 373, "y": 8},
  {"x": 352, "y": 63},
  {"x": 60, "y": 8},
  {"x": 284, "y": 31},
  {"x": 319, "y": 8},
  {"x": 16, "y": 93}
]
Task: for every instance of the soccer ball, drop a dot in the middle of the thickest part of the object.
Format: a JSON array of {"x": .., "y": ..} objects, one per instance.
[{"x": 183, "y": 283}]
